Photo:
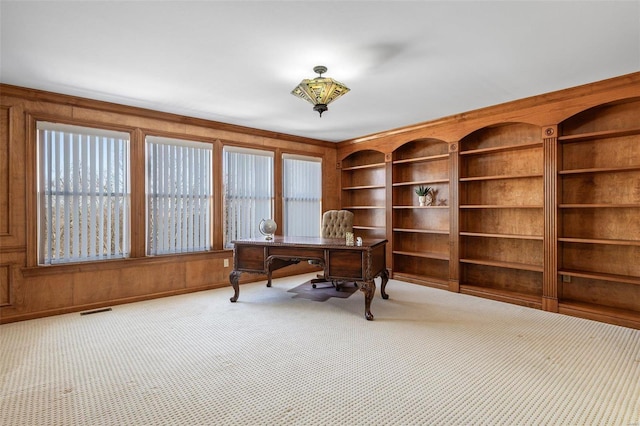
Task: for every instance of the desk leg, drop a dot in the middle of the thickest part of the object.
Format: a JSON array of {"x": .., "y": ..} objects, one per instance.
[
  {"x": 385, "y": 277},
  {"x": 369, "y": 289},
  {"x": 268, "y": 275},
  {"x": 233, "y": 278}
]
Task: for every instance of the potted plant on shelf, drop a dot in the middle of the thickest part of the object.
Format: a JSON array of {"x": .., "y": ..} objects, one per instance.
[{"x": 424, "y": 195}]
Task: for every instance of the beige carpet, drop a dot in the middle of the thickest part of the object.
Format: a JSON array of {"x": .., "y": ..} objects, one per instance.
[{"x": 431, "y": 357}]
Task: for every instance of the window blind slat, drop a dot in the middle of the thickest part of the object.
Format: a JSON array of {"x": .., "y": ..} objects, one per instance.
[
  {"x": 76, "y": 194},
  {"x": 58, "y": 211},
  {"x": 68, "y": 198},
  {"x": 82, "y": 223},
  {"x": 108, "y": 199}
]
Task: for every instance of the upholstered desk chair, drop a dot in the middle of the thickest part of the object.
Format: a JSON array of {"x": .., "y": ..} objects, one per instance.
[{"x": 335, "y": 224}]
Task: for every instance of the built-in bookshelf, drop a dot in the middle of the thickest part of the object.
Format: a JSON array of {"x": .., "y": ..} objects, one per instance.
[
  {"x": 363, "y": 178},
  {"x": 421, "y": 233},
  {"x": 502, "y": 213},
  {"x": 540, "y": 201},
  {"x": 599, "y": 213}
]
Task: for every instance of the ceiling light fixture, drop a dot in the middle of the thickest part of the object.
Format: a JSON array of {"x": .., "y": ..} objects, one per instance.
[{"x": 320, "y": 91}]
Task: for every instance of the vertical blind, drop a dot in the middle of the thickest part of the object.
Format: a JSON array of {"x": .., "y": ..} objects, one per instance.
[
  {"x": 302, "y": 195},
  {"x": 178, "y": 196},
  {"x": 83, "y": 193},
  {"x": 248, "y": 196}
]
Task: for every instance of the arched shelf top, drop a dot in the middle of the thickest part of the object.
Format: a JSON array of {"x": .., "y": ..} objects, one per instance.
[
  {"x": 421, "y": 150},
  {"x": 501, "y": 136},
  {"x": 612, "y": 118},
  {"x": 365, "y": 157}
]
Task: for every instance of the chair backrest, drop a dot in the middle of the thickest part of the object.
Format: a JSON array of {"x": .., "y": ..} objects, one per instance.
[{"x": 335, "y": 223}]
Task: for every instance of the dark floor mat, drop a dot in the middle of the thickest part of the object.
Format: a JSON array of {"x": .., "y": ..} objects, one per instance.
[{"x": 323, "y": 291}]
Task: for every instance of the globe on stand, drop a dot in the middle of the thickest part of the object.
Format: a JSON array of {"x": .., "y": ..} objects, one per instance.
[{"x": 267, "y": 228}]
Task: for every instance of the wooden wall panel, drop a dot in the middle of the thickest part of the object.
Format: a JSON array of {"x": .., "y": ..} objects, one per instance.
[
  {"x": 5, "y": 172},
  {"x": 5, "y": 285},
  {"x": 30, "y": 291},
  {"x": 53, "y": 294}
]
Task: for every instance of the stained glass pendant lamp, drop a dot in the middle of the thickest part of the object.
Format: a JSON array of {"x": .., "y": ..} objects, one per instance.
[{"x": 320, "y": 91}]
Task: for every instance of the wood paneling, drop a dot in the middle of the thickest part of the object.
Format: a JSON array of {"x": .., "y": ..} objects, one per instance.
[
  {"x": 544, "y": 201},
  {"x": 5, "y": 285},
  {"x": 541, "y": 202},
  {"x": 5, "y": 172},
  {"x": 29, "y": 291}
]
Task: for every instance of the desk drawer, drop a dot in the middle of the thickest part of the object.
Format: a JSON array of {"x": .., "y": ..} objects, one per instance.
[
  {"x": 296, "y": 251},
  {"x": 345, "y": 264},
  {"x": 249, "y": 258}
]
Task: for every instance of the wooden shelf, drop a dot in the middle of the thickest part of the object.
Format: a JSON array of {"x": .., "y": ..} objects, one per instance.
[
  {"x": 606, "y": 134},
  {"x": 422, "y": 159},
  {"x": 420, "y": 207},
  {"x": 512, "y": 236},
  {"x": 496, "y": 206},
  {"x": 502, "y": 148},
  {"x": 600, "y": 276},
  {"x": 369, "y": 227},
  {"x": 499, "y": 177},
  {"x": 355, "y": 188},
  {"x": 598, "y": 206},
  {"x": 421, "y": 231},
  {"x": 600, "y": 170},
  {"x": 599, "y": 241},
  {"x": 364, "y": 166},
  {"x": 622, "y": 317},
  {"x": 422, "y": 182},
  {"x": 516, "y": 298},
  {"x": 426, "y": 255},
  {"x": 363, "y": 207},
  {"x": 421, "y": 279},
  {"x": 499, "y": 264}
]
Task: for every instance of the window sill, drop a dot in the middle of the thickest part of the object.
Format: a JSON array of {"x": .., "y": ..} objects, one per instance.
[{"x": 105, "y": 265}]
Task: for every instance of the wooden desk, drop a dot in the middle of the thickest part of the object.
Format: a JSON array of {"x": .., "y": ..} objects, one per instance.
[{"x": 359, "y": 264}]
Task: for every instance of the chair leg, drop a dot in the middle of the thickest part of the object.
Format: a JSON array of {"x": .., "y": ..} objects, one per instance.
[
  {"x": 335, "y": 283},
  {"x": 319, "y": 279}
]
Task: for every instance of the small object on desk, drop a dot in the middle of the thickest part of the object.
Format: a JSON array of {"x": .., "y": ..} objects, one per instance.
[
  {"x": 348, "y": 238},
  {"x": 267, "y": 227},
  {"x": 359, "y": 241}
]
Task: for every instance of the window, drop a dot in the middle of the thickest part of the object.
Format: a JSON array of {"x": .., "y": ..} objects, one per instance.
[
  {"x": 178, "y": 196},
  {"x": 302, "y": 195},
  {"x": 248, "y": 196},
  {"x": 83, "y": 193}
]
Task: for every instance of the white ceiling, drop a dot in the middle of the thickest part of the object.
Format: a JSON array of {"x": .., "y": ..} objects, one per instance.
[{"x": 237, "y": 61}]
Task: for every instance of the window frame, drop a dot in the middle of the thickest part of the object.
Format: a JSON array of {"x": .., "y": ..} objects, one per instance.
[
  {"x": 308, "y": 158},
  {"x": 137, "y": 130},
  {"x": 38, "y": 257},
  {"x": 253, "y": 231},
  {"x": 208, "y": 178}
]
